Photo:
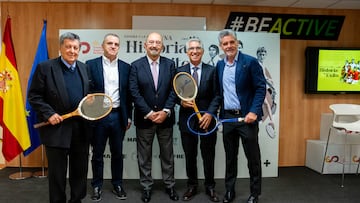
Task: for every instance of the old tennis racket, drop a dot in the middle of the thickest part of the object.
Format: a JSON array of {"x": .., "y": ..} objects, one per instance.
[
  {"x": 186, "y": 89},
  {"x": 209, "y": 131},
  {"x": 91, "y": 107}
]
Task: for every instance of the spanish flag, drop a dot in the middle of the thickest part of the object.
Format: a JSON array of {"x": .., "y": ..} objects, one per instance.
[{"x": 16, "y": 137}]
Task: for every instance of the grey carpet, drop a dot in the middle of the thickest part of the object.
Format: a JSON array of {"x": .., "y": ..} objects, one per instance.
[{"x": 293, "y": 185}]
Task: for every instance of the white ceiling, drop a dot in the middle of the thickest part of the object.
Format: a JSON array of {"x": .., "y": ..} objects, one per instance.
[{"x": 324, "y": 4}]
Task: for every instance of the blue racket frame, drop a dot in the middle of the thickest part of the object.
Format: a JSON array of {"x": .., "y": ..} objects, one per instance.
[{"x": 218, "y": 123}]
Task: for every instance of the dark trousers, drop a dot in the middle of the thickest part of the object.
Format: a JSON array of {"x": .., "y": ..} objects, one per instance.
[
  {"x": 58, "y": 159},
  {"x": 108, "y": 129},
  {"x": 144, "y": 141},
  {"x": 248, "y": 133},
  {"x": 207, "y": 148}
]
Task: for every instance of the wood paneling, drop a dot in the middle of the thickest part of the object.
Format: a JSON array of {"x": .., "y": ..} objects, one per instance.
[{"x": 299, "y": 113}]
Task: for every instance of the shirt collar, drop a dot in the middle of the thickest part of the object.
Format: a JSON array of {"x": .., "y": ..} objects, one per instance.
[
  {"x": 150, "y": 60},
  {"x": 235, "y": 60},
  {"x": 67, "y": 64},
  {"x": 107, "y": 60},
  {"x": 199, "y": 66}
]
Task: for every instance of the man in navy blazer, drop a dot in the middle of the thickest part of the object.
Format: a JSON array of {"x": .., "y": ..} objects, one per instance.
[
  {"x": 243, "y": 87},
  {"x": 110, "y": 75},
  {"x": 208, "y": 100},
  {"x": 57, "y": 87},
  {"x": 154, "y": 100}
]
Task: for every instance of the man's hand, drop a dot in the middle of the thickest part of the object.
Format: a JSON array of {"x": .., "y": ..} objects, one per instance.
[
  {"x": 250, "y": 117},
  {"x": 187, "y": 104},
  {"x": 159, "y": 116},
  {"x": 205, "y": 121},
  {"x": 55, "y": 119}
]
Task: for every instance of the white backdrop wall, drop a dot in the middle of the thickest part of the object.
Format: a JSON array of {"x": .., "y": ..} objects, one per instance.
[{"x": 131, "y": 48}]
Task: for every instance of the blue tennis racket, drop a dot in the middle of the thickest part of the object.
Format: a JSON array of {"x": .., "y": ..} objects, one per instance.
[{"x": 201, "y": 132}]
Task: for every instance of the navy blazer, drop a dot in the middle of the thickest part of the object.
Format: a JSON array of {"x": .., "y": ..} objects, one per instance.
[
  {"x": 208, "y": 97},
  {"x": 143, "y": 92},
  {"x": 96, "y": 76},
  {"x": 47, "y": 95},
  {"x": 250, "y": 84}
]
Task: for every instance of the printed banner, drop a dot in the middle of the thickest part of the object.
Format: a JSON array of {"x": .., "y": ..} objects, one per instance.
[{"x": 132, "y": 48}]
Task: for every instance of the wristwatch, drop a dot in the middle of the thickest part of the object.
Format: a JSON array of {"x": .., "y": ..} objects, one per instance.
[{"x": 167, "y": 111}]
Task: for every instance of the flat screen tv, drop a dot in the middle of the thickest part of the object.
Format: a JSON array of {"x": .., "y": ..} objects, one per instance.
[{"x": 332, "y": 70}]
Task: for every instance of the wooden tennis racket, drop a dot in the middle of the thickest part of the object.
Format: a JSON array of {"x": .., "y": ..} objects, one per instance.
[
  {"x": 91, "y": 107},
  {"x": 186, "y": 89}
]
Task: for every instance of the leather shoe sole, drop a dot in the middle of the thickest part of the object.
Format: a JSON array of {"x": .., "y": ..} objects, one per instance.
[
  {"x": 189, "y": 194},
  {"x": 146, "y": 196},
  {"x": 212, "y": 195},
  {"x": 253, "y": 199},
  {"x": 96, "y": 196},
  {"x": 229, "y": 197},
  {"x": 172, "y": 194}
]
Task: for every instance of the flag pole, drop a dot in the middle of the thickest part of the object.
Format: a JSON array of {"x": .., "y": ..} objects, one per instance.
[
  {"x": 43, "y": 172},
  {"x": 20, "y": 175}
]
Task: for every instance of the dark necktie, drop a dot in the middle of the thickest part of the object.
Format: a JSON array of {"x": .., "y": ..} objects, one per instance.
[
  {"x": 72, "y": 68},
  {"x": 195, "y": 75}
]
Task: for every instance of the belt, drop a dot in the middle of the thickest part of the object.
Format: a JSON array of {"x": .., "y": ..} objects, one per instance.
[
  {"x": 115, "y": 109},
  {"x": 233, "y": 111}
]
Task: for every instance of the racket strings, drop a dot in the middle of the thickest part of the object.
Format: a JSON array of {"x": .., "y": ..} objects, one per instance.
[
  {"x": 95, "y": 106},
  {"x": 185, "y": 87}
]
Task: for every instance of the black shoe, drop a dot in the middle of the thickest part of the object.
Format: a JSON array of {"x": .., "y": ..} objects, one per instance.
[
  {"x": 189, "y": 194},
  {"x": 119, "y": 192},
  {"x": 146, "y": 196},
  {"x": 172, "y": 194},
  {"x": 229, "y": 196},
  {"x": 212, "y": 194},
  {"x": 96, "y": 196},
  {"x": 253, "y": 199}
]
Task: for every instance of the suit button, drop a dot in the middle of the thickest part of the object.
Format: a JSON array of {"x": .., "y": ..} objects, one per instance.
[{"x": 155, "y": 107}]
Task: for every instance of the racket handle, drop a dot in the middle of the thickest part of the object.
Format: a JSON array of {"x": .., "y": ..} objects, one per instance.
[
  {"x": 197, "y": 111},
  {"x": 38, "y": 125}
]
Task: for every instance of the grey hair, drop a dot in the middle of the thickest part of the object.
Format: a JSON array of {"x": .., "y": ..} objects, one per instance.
[
  {"x": 226, "y": 32},
  {"x": 111, "y": 34},
  {"x": 194, "y": 40},
  {"x": 70, "y": 36}
]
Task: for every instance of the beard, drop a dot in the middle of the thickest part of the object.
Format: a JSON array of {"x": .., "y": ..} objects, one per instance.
[{"x": 154, "y": 52}]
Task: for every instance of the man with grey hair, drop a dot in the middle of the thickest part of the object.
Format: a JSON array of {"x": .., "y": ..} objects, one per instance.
[
  {"x": 57, "y": 87},
  {"x": 243, "y": 88},
  {"x": 207, "y": 99},
  {"x": 150, "y": 84}
]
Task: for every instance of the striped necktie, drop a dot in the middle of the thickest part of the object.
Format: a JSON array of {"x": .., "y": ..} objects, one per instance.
[{"x": 196, "y": 75}]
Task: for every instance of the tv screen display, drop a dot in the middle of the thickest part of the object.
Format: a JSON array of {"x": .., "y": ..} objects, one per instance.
[{"x": 332, "y": 70}]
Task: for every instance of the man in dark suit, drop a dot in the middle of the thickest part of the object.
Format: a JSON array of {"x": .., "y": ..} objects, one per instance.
[
  {"x": 207, "y": 99},
  {"x": 151, "y": 89},
  {"x": 243, "y": 87},
  {"x": 110, "y": 75},
  {"x": 57, "y": 87}
]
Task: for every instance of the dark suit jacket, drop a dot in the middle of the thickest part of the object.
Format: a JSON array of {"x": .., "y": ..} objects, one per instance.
[
  {"x": 47, "y": 95},
  {"x": 96, "y": 77},
  {"x": 208, "y": 97},
  {"x": 250, "y": 84},
  {"x": 143, "y": 92}
]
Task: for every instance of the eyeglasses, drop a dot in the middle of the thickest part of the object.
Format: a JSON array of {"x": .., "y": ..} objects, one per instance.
[{"x": 194, "y": 48}]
